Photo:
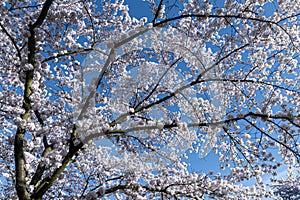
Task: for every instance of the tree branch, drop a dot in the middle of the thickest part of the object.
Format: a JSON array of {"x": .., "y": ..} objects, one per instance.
[
  {"x": 67, "y": 54},
  {"x": 24, "y": 7},
  {"x": 157, "y": 12},
  {"x": 48, "y": 181},
  {"x": 41, "y": 167},
  {"x": 13, "y": 42},
  {"x": 157, "y": 84},
  {"x": 239, "y": 16},
  {"x": 296, "y": 154},
  {"x": 249, "y": 81},
  {"x": 20, "y": 170},
  {"x": 43, "y": 14}
]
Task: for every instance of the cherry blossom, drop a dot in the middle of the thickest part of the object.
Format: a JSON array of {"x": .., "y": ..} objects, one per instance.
[{"x": 96, "y": 103}]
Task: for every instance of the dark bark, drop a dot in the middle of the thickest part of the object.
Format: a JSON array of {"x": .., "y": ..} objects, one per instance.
[{"x": 20, "y": 170}]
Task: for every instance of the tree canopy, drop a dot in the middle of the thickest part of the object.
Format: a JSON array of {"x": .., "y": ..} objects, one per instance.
[{"x": 96, "y": 103}]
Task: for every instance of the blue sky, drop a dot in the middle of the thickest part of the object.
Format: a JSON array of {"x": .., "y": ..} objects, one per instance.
[{"x": 139, "y": 9}]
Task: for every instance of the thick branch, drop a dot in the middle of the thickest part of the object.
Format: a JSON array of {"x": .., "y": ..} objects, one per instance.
[
  {"x": 157, "y": 12},
  {"x": 20, "y": 171},
  {"x": 21, "y": 130},
  {"x": 43, "y": 14},
  {"x": 42, "y": 166},
  {"x": 47, "y": 182}
]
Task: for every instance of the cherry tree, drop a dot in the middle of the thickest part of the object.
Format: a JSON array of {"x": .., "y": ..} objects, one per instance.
[{"x": 97, "y": 104}]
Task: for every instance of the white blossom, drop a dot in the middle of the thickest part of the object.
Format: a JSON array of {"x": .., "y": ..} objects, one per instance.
[{"x": 96, "y": 103}]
